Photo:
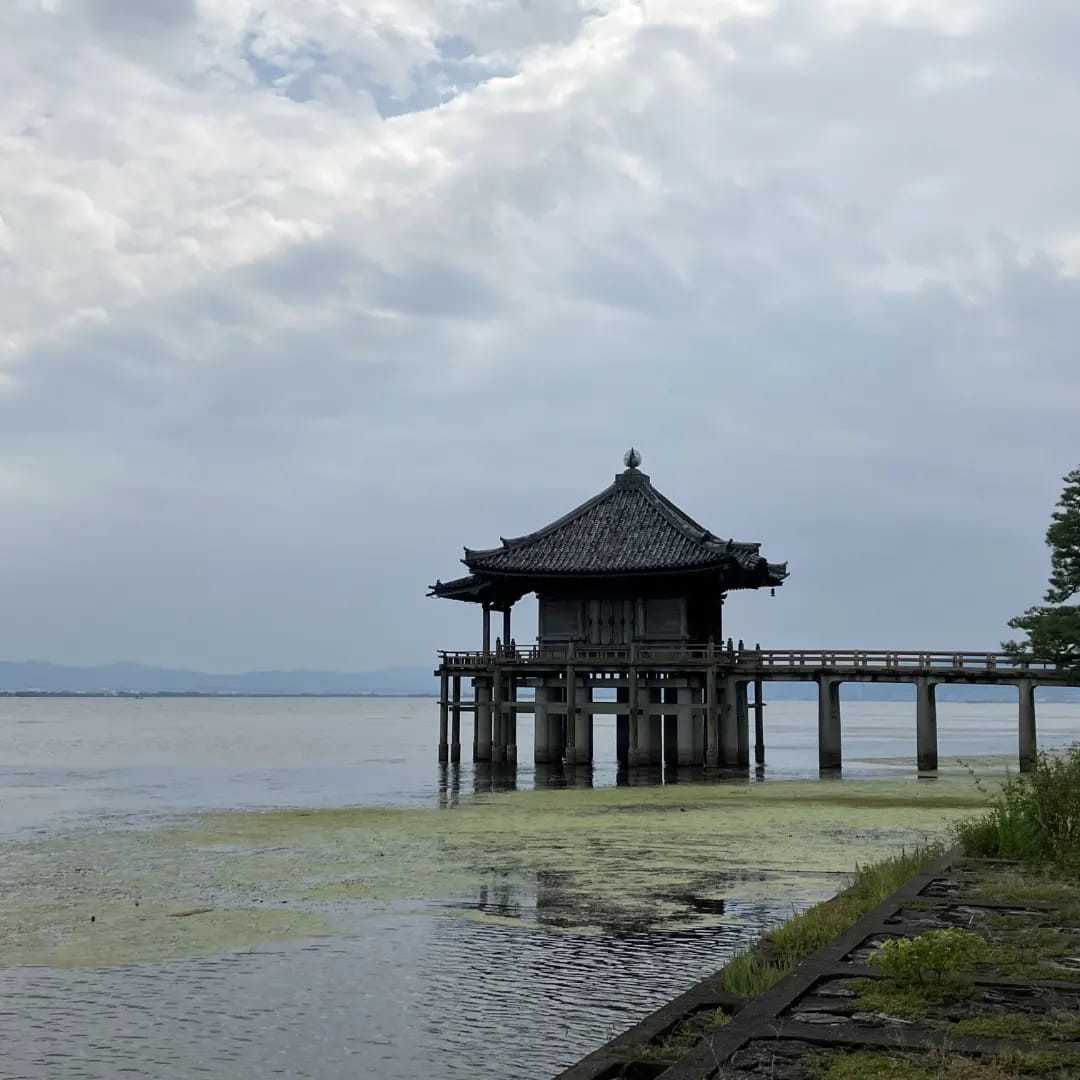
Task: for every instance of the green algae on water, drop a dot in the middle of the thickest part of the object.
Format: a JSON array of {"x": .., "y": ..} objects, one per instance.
[{"x": 583, "y": 860}]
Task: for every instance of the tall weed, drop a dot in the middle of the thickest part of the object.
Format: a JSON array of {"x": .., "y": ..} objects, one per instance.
[{"x": 1034, "y": 817}]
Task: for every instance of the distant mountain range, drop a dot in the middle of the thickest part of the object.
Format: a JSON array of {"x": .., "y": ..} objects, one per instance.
[
  {"x": 36, "y": 676},
  {"x": 42, "y": 677}
]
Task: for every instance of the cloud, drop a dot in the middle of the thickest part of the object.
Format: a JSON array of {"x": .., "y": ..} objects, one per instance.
[{"x": 299, "y": 298}]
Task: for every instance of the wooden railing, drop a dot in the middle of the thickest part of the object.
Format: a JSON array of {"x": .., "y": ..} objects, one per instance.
[{"x": 794, "y": 660}]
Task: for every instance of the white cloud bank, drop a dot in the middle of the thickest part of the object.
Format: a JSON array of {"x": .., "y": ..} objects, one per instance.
[{"x": 297, "y": 298}]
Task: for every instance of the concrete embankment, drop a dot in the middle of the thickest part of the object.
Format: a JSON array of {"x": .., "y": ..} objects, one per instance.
[{"x": 1013, "y": 1011}]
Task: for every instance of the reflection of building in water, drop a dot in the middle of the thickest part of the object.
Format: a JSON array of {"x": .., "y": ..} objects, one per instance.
[{"x": 631, "y": 592}]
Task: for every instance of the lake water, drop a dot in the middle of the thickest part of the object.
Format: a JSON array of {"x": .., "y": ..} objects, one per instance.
[{"x": 477, "y": 979}]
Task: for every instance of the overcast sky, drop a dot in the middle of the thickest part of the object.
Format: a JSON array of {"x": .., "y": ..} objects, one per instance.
[{"x": 298, "y": 297}]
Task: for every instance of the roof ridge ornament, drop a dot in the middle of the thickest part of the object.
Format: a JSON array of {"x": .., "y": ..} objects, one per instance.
[{"x": 631, "y": 459}]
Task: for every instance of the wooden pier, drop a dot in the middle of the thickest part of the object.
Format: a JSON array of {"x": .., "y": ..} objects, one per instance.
[
  {"x": 691, "y": 705},
  {"x": 627, "y": 583}
]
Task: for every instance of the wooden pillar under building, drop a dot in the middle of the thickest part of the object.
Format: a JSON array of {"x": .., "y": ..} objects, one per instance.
[
  {"x": 759, "y": 723},
  {"x": 542, "y": 754},
  {"x": 651, "y": 728},
  {"x": 498, "y": 717},
  {"x": 742, "y": 712},
  {"x": 712, "y": 718},
  {"x": 444, "y": 716},
  {"x": 506, "y": 627},
  {"x": 622, "y": 727},
  {"x": 487, "y": 629},
  {"x": 482, "y": 720},
  {"x": 830, "y": 751},
  {"x": 926, "y": 724},
  {"x": 691, "y": 748},
  {"x": 511, "y": 719},
  {"x": 671, "y": 727},
  {"x": 570, "y": 752},
  {"x": 1029, "y": 745},
  {"x": 634, "y": 754},
  {"x": 583, "y": 740},
  {"x": 729, "y": 724},
  {"x": 455, "y": 722}
]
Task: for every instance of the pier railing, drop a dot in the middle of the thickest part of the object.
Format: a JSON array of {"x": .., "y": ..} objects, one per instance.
[{"x": 774, "y": 660}]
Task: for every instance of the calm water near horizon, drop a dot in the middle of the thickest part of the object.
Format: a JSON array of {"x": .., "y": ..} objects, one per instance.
[{"x": 419, "y": 991}]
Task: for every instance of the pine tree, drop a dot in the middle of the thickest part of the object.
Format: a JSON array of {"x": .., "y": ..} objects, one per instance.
[{"x": 1053, "y": 629}]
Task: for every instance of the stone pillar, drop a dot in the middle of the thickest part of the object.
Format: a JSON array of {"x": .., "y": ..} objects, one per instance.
[
  {"x": 712, "y": 719},
  {"x": 830, "y": 755},
  {"x": 742, "y": 713},
  {"x": 622, "y": 727},
  {"x": 637, "y": 722},
  {"x": 556, "y": 723},
  {"x": 541, "y": 728},
  {"x": 690, "y": 748},
  {"x": 1029, "y": 748},
  {"x": 583, "y": 739},
  {"x": 671, "y": 728},
  {"x": 926, "y": 724},
  {"x": 650, "y": 733},
  {"x": 729, "y": 724},
  {"x": 482, "y": 743},
  {"x": 570, "y": 728},
  {"x": 455, "y": 722},
  {"x": 498, "y": 718},
  {"x": 511, "y": 719},
  {"x": 444, "y": 716},
  {"x": 759, "y": 723}
]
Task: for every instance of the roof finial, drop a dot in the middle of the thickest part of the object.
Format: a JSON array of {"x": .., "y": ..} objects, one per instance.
[{"x": 631, "y": 459}]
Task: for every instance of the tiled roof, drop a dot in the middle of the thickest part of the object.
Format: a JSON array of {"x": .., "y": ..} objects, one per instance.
[{"x": 628, "y": 528}]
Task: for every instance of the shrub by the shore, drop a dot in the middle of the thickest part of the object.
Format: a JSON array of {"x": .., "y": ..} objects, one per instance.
[
  {"x": 766, "y": 962},
  {"x": 1034, "y": 817}
]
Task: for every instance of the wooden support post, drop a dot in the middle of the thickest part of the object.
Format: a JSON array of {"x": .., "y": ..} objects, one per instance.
[
  {"x": 759, "y": 723},
  {"x": 926, "y": 724},
  {"x": 671, "y": 728},
  {"x": 1029, "y": 746},
  {"x": 511, "y": 719},
  {"x": 542, "y": 754},
  {"x": 830, "y": 752},
  {"x": 691, "y": 750},
  {"x": 742, "y": 709},
  {"x": 455, "y": 722},
  {"x": 498, "y": 717},
  {"x": 444, "y": 716},
  {"x": 729, "y": 724},
  {"x": 487, "y": 629},
  {"x": 622, "y": 727},
  {"x": 712, "y": 717},
  {"x": 583, "y": 740},
  {"x": 650, "y": 733},
  {"x": 506, "y": 628},
  {"x": 571, "y": 717},
  {"x": 482, "y": 720}
]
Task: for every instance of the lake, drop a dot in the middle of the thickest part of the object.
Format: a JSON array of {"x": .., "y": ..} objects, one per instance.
[{"x": 293, "y": 887}]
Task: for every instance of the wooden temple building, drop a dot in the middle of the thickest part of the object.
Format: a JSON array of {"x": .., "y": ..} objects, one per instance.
[{"x": 630, "y": 592}]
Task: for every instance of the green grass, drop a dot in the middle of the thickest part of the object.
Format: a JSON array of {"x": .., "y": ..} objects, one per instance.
[
  {"x": 1034, "y": 817},
  {"x": 776, "y": 954},
  {"x": 909, "y": 1002},
  {"x": 943, "y": 1065},
  {"x": 1024, "y": 1026},
  {"x": 684, "y": 1037}
]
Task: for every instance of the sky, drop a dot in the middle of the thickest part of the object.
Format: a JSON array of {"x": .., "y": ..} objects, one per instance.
[{"x": 297, "y": 299}]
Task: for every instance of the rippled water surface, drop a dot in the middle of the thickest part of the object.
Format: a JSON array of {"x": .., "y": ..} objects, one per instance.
[{"x": 512, "y": 965}]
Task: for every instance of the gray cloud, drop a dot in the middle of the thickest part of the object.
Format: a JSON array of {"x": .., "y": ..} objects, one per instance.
[{"x": 267, "y": 362}]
